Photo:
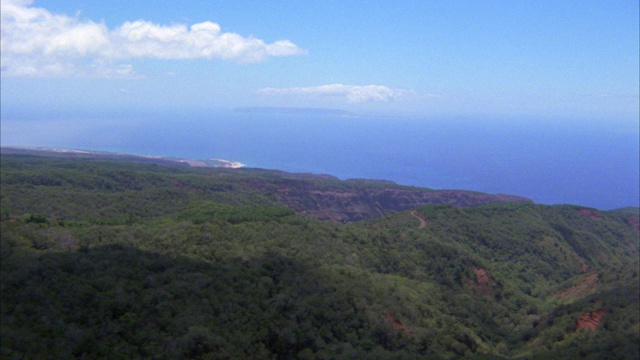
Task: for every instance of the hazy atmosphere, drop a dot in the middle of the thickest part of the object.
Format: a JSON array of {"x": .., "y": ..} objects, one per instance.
[
  {"x": 537, "y": 98},
  {"x": 307, "y": 180}
]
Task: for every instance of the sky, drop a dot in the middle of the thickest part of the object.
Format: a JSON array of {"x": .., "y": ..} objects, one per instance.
[{"x": 514, "y": 59}]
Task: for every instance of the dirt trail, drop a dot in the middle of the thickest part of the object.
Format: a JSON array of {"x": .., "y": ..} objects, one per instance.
[{"x": 423, "y": 221}]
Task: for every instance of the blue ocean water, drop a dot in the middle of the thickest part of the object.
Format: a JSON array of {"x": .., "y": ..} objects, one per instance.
[{"x": 552, "y": 162}]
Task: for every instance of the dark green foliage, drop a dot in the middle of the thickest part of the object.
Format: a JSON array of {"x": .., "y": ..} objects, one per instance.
[
  {"x": 199, "y": 213},
  {"x": 37, "y": 218},
  {"x": 103, "y": 259}
]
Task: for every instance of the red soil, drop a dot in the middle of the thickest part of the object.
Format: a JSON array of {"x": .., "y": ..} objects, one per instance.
[
  {"x": 397, "y": 324},
  {"x": 589, "y": 320},
  {"x": 590, "y": 214},
  {"x": 483, "y": 282},
  {"x": 583, "y": 265},
  {"x": 635, "y": 222},
  {"x": 583, "y": 287}
]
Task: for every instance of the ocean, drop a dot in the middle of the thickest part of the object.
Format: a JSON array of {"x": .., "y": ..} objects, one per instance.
[{"x": 568, "y": 161}]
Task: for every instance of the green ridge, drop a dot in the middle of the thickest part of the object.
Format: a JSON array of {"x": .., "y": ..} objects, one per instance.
[{"x": 113, "y": 259}]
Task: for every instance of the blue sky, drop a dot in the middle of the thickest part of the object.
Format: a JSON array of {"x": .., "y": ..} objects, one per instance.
[{"x": 562, "y": 59}]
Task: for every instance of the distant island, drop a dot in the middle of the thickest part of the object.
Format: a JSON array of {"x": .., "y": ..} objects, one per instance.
[{"x": 291, "y": 111}]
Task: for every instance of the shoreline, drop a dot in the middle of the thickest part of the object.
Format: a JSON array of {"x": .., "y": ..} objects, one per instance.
[{"x": 212, "y": 162}]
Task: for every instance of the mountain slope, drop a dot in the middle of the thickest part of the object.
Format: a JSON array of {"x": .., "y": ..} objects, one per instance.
[
  {"x": 115, "y": 259},
  {"x": 322, "y": 197}
]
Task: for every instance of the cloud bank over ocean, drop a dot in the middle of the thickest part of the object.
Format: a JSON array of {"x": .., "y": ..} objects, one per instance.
[{"x": 36, "y": 42}]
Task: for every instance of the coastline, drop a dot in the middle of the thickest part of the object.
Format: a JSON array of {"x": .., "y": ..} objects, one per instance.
[{"x": 213, "y": 162}]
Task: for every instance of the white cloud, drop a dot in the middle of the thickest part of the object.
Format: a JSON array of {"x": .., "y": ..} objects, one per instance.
[
  {"x": 36, "y": 42},
  {"x": 351, "y": 93}
]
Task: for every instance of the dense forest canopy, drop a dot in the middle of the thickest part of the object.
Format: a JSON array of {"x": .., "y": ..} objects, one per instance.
[{"x": 107, "y": 258}]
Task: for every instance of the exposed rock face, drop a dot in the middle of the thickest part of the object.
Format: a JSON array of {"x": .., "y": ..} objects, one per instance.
[
  {"x": 345, "y": 204},
  {"x": 590, "y": 320}
]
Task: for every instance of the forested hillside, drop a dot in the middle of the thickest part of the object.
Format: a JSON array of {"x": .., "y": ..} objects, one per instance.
[{"x": 117, "y": 259}]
